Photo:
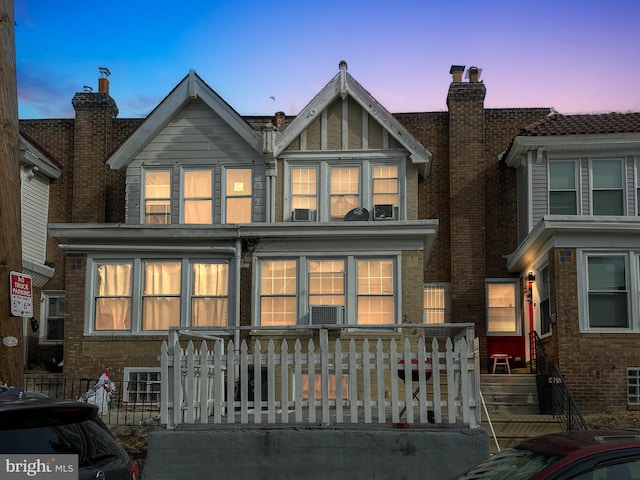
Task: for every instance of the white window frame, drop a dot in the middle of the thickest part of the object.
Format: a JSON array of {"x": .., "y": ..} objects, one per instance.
[
  {"x": 44, "y": 317},
  {"x": 143, "y": 193},
  {"x": 633, "y": 386},
  {"x": 632, "y": 278},
  {"x": 145, "y": 371},
  {"x": 302, "y": 284},
  {"x": 223, "y": 194},
  {"x": 516, "y": 307},
  {"x": 576, "y": 181},
  {"x": 137, "y": 282},
  {"x": 622, "y": 189},
  {"x": 540, "y": 290},
  {"x": 323, "y": 163},
  {"x": 184, "y": 199}
]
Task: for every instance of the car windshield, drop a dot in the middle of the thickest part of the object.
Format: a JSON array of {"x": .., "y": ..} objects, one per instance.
[{"x": 510, "y": 464}]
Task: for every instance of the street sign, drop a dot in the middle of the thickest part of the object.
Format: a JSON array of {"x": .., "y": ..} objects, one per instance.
[{"x": 21, "y": 295}]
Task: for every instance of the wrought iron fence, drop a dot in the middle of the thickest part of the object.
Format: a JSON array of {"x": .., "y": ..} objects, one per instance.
[
  {"x": 565, "y": 408},
  {"x": 129, "y": 403}
]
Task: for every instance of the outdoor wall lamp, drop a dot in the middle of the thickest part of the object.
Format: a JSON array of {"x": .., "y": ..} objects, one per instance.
[{"x": 531, "y": 277}]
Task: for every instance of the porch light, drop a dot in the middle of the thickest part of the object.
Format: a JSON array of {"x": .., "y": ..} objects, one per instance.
[{"x": 531, "y": 277}]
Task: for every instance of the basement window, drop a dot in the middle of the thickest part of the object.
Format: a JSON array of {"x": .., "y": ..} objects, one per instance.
[
  {"x": 633, "y": 386},
  {"x": 142, "y": 386}
]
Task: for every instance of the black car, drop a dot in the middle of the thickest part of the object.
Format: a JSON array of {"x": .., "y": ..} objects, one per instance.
[
  {"x": 43, "y": 426},
  {"x": 580, "y": 455}
]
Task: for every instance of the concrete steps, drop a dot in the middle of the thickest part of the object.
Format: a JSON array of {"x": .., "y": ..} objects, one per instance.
[{"x": 512, "y": 405}]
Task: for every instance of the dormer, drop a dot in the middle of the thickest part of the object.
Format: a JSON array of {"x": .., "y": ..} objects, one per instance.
[{"x": 346, "y": 158}]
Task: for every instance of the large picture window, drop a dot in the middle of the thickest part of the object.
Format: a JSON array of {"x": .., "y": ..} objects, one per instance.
[
  {"x": 366, "y": 288},
  {"x": 502, "y": 311},
  {"x": 147, "y": 295}
]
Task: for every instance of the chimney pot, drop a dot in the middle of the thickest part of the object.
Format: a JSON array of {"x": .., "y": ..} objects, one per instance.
[
  {"x": 457, "y": 71},
  {"x": 279, "y": 121},
  {"x": 474, "y": 74}
]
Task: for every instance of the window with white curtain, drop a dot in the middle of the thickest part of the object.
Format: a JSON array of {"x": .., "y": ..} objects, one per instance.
[
  {"x": 502, "y": 310},
  {"x": 157, "y": 196},
  {"x": 238, "y": 195},
  {"x": 289, "y": 287},
  {"x": 332, "y": 189},
  {"x": 146, "y": 295},
  {"x": 197, "y": 188}
]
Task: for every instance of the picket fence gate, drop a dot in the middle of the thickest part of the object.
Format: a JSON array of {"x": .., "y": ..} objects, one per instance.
[{"x": 357, "y": 385}]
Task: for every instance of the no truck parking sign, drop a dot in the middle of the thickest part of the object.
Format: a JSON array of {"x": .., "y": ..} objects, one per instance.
[{"x": 21, "y": 295}]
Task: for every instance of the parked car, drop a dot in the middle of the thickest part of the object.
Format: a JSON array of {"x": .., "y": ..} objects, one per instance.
[
  {"x": 41, "y": 425},
  {"x": 582, "y": 455}
]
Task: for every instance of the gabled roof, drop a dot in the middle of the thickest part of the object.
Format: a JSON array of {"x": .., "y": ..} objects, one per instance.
[
  {"x": 33, "y": 155},
  {"x": 576, "y": 132},
  {"x": 191, "y": 87},
  {"x": 343, "y": 84}
]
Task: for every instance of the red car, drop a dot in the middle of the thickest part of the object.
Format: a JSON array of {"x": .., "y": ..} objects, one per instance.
[{"x": 582, "y": 455}]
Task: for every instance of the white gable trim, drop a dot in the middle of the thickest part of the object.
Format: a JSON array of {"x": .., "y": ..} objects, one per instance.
[
  {"x": 191, "y": 87},
  {"x": 343, "y": 84}
]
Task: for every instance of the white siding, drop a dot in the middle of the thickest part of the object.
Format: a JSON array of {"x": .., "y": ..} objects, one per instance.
[
  {"x": 35, "y": 210},
  {"x": 630, "y": 185},
  {"x": 196, "y": 136},
  {"x": 539, "y": 186},
  {"x": 523, "y": 203}
]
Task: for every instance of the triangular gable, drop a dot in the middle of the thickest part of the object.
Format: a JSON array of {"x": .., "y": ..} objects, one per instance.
[
  {"x": 191, "y": 87},
  {"x": 343, "y": 85}
]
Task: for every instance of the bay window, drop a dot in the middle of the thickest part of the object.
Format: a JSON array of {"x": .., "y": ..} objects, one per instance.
[
  {"x": 331, "y": 189},
  {"x": 147, "y": 295},
  {"x": 366, "y": 288}
]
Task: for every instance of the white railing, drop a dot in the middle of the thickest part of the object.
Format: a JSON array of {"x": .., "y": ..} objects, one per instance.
[{"x": 359, "y": 384}]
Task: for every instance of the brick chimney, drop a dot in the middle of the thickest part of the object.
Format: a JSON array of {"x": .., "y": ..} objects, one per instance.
[
  {"x": 92, "y": 179},
  {"x": 467, "y": 157}
]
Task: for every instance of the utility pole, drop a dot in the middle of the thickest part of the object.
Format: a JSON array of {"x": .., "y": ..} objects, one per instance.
[{"x": 11, "y": 357}]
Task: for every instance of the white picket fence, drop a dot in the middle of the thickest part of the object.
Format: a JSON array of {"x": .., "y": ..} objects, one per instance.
[{"x": 359, "y": 384}]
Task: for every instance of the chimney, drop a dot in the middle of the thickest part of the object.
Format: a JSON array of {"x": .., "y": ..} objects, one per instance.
[
  {"x": 103, "y": 81},
  {"x": 457, "y": 71},
  {"x": 279, "y": 121},
  {"x": 473, "y": 74}
]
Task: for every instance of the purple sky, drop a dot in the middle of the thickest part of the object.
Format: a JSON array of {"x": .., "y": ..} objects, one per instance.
[{"x": 578, "y": 56}]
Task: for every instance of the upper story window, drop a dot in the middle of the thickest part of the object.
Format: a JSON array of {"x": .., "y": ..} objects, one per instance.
[
  {"x": 437, "y": 303},
  {"x": 238, "y": 195},
  {"x": 147, "y": 295},
  {"x": 563, "y": 193},
  {"x": 157, "y": 197},
  {"x": 351, "y": 289},
  {"x": 197, "y": 192},
  {"x": 502, "y": 311},
  {"x": 323, "y": 190},
  {"x": 607, "y": 192}
]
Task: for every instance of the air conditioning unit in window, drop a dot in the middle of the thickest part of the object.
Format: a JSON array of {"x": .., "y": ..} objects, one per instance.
[
  {"x": 385, "y": 211},
  {"x": 326, "y": 314},
  {"x": 303, "y": 215}
]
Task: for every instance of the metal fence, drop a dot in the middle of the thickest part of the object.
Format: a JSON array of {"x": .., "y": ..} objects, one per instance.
[{"x": 125, "y": 406}]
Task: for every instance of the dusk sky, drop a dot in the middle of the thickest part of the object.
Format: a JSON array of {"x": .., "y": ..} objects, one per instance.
[{"x": 578, "y": 56}]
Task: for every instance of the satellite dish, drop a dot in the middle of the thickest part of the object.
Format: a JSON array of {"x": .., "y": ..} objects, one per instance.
[{"x": 359, "y": 214}]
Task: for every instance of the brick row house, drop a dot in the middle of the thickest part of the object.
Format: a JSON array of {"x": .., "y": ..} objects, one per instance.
[{"x": 199, "y": 218}]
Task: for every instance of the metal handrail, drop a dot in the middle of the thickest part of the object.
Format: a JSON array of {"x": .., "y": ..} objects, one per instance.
[
  {"x": 538, "y": 354},
  {"x": 564, "y": 406}
]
